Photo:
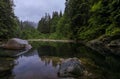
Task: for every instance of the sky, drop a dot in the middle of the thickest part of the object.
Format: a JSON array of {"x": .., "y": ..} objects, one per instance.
[{"x": 33, "y": 10}]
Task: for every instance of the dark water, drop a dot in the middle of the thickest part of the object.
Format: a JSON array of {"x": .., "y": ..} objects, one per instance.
[{"x": 42, "y": 62}]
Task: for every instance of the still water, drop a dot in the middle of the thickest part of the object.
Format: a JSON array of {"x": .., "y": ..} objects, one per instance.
[{"x": 42, "y": 62}]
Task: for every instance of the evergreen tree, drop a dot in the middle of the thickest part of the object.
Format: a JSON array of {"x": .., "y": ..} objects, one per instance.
[
  {"x": 8, "y": 23},
  {"x": 48, "y": 24},
  {"x": 54, "y": 21},
  {"x": 44, "y": 24},
  {"x": 85, "y": 19}
]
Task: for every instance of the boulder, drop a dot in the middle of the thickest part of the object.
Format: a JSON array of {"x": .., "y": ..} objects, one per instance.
[
  {"x": 16, "y": 44},
  {"x": 71, "y": 67}
]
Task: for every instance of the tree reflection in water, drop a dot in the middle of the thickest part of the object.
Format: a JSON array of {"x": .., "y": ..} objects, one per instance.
[
  {"x": 42, "y": 62},
  {"x": 53, "y": 61}
]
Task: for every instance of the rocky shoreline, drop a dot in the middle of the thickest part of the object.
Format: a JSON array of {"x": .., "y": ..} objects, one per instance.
[{"x": 105, "y": 45}]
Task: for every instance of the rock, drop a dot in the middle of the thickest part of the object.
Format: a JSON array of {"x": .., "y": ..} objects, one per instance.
[
  {"x": 16, "y": 43},
  {"x": 105, "y": 48},
  {"x": 114, "y": 46},
  {"x": 71, "y": 67},
  {"x": 114, "y": 43},
  {"x": 99, "y": 46}
]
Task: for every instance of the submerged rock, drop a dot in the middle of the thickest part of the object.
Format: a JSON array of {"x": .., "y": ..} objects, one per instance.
[
  {"x": 71, "y": 67},
  {"x": 16, "y": 43}
]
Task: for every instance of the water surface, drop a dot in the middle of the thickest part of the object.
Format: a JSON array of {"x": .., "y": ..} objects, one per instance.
[{"x": 42, "y": 62}]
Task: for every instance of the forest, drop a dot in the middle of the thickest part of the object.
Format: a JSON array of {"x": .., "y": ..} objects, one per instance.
[
  {"x": 83, "y": 42},
  {"x": 82, "y": 20}
]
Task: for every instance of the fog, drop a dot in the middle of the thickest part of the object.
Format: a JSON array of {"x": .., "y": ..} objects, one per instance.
[{"x": 33, "y": 10}]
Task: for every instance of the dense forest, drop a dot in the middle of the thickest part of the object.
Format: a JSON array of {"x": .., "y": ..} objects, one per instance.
[
  {"x": 81, "y": 20},
  {"x": 81, "y": 42},
  {"x": 8, "y": 23}
]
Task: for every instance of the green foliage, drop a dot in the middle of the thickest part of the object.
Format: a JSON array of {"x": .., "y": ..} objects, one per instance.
[
  {"x": 44, "y": 24},
  {"x": 112, "y": 30},
  {"x": 77, "y": 11},
  {"x": 8, "y": 24},
  {"x": 28, "y": 30},
  {"x": 91, "y": 33},
  {"x": 48, "y": 24},
  {"x": 54, "y": 21},
  {"x": 104, "y": 19},
  {"x": 96, "y": 6},
  {"x": 82, "y": 19},
  {"x": 63, "y": 28},
  {"x": 86, "y": 20},
  {"x": 29, "y": 34}
]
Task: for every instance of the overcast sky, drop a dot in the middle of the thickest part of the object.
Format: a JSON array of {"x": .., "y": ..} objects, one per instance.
[{"x": 33, "y": 10}]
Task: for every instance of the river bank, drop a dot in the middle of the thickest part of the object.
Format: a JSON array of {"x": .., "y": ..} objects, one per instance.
[
  {"x": 51, "y": 40},
  {"x": 48, "y": 55},
  {"x": 102, "y": 45},
  {"x": 105, "y": 44}
]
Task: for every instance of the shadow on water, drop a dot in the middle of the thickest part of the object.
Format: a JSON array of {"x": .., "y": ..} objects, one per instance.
[{"x": 42, "y": 62}]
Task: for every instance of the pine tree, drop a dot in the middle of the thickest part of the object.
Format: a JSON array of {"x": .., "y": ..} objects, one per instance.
[{"x": 8, "y": 24}]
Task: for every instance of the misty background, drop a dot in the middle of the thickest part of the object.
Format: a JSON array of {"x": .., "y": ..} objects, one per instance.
[{"x": 33, "y": 10}]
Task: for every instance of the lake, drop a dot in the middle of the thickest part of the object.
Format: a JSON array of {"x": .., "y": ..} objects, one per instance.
[{"x": 42, "y": 62}]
